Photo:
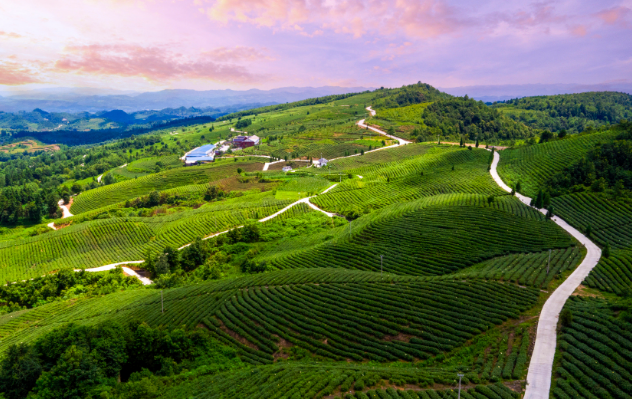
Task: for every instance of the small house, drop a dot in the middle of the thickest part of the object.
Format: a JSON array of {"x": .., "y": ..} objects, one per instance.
[
  {"x": 245, "y": 141},
  {"x": 319, "y": 163},
  {"x": 287, "y": 168}
]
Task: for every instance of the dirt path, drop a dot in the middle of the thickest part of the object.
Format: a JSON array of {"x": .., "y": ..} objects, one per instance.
[
  {"x": 65, "y": 209},
  {"x": 541, "y": 365}
]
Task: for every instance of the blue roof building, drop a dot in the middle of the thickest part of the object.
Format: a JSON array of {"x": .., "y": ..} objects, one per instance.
[{"x": 206, "y": 153}]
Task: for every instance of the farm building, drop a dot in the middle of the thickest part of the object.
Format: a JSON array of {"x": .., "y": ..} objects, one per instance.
[
  {"x": 320, "y": 162},
  {"x": 205, "y": 153},
  {"x": 245, "y": 141},
  {"x": 287, "y": 168}
]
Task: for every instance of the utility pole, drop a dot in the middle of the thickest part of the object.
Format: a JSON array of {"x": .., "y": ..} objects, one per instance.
[
  {"x": 549, "y": 263},
  {"x": 162, "y": 303},
  {"x": 381, "y": 264},
  {"x": 460, "y": 376}
]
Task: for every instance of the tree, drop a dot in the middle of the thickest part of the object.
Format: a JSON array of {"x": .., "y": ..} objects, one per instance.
[
  {"x": 546, "y": 199},
  {"x": 76, "y": 188},
  {"x": 74, "y": 376},
  {"x": 193, "y": 255},
  {"x": 545, "y": 136},
  {"x": 250, "y": 233},
  {"x": 34, "y": 212},
  {"x": 618, "y": 188},
  {"x": 549, "y": 213},
  {"x": 173, "y": 258},
  {"x": 154, "y": 198},
  {"x": 19, "y": 370},
  {"x": 588, "y": 230},
  {"x": 518, "y": 187},
  {"x": 561, "y": 134},
  {"x": 162, "y": 265},
  {"x": 490, "y": 199},
  {"x": 476, "y": 142},
  {"x": 539, "y": 199}
]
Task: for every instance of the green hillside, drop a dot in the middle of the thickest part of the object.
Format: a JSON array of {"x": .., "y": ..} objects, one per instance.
[
  {"x": 570, "y": 112},
  {"x": 386, "y": 274}
]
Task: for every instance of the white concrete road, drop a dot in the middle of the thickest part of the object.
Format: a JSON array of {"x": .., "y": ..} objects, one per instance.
[
  {"x": 541, "y": 365},
  {"x": 64, "y": 208}
]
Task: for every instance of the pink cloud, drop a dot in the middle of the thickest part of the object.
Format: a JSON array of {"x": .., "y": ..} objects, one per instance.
[
  {"x": 10, "y": 35},
  {"x": 616, "y": 15},
  {"x": 151, "y": 63},
  {"x": 13, "y": 74},
  {"x": 418, "y": 18},
  {"x": 579, "y": 30},
  {"x": 237, "y": 54}
]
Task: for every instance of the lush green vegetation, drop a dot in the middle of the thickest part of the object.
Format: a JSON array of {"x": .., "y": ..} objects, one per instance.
[
  {"x": 413, "y": 238},
  {"x": 526, "y": 269},
  {"x": 596, "y": 350},
  {"x": 426, "y": 269},
  {"x": 533, "y": 166},
  {"x": 569, "y": 112}
]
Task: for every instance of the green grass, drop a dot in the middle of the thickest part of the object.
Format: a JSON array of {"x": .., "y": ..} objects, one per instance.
[{"x": 533, "y": 165}]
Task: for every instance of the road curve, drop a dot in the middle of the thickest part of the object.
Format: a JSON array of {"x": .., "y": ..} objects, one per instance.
[{"x": 541, "y": 365}]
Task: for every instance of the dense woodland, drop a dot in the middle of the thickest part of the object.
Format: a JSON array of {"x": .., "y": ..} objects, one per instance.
[
  {"x": 407, "y": 95},
  {"x": 570, "y": 112}
]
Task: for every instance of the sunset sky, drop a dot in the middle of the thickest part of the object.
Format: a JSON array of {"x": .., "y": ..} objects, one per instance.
[{"x": 148, "y": 45}]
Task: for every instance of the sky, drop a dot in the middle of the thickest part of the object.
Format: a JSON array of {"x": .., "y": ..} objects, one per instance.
[{"x": 148, "y": 45}]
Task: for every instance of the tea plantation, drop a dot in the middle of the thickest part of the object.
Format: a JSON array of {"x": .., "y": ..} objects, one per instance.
[{"x": 405, "y": 272}]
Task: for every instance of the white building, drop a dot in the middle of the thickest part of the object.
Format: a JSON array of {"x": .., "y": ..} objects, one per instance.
[{"x": 287, "y": 168}]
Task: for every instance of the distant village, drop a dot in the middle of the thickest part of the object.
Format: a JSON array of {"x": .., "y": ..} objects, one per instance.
[{"x": 208, "y": 152}]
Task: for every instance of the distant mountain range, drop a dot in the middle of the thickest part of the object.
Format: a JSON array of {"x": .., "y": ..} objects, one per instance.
[
  {"x": 493, "y": 93},
  {"x": 75, "y": 100}
]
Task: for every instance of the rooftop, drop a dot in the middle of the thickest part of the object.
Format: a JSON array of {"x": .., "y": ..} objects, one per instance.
[{"x": 201, "y": 151}]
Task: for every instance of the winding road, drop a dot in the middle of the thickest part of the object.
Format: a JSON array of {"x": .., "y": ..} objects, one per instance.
[{"x": 541, "y": 365}]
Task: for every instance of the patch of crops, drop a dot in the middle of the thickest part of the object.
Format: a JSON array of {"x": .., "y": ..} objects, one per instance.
[
  {"x": 114, "y": 193},
  {"x": 359, "y": 318},
  {"x": 395, "y": 154},
  {"x": 609, "y": 221},
  {"x": 612, "y": 274},
  {"x": 533, "y": 165},
  {"x": 342, "y": 381},
  {"x": 363, "y": 320},
  {"x": 596, "y": 359},
  {"x": 418, "y": 240},
  {"x": 526, "y": 269},
  {"x": 411, "y": 179},
  {"x": 104, "y": 241}
]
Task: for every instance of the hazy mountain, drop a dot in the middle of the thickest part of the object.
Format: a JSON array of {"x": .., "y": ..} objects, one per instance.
[
  {"x": 95, "y": 100},
  {"x": 506, "y": 92}
]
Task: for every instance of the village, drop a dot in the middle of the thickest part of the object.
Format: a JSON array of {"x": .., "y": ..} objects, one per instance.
[{"x": 209, "y": 152}]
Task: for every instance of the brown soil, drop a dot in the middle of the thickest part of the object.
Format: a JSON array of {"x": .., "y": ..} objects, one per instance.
[
  {"x": 473, "y": 144},
  {"x": 399, "y": 337},
  {"x": 237, "y": 337},
  {"x": 582, "y": 290}
]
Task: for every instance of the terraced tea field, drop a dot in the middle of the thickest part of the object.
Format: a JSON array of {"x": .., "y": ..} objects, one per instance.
[
  {"x": 119, "y": 192},
  {"x": 596, "y": 353},
  {"x": 422, "y": 239},
  {"x": 534, "y": 165},
  {"x": 609, "y": 221}
]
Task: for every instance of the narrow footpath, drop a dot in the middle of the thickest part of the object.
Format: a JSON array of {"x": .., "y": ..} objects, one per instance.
[{"x": 541, "y": 365}]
